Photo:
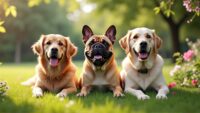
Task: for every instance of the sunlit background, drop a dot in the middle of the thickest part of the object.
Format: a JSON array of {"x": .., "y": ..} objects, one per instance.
[{"x": 35, "y": 17}]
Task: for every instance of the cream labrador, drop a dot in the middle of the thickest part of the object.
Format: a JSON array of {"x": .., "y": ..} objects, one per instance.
[{"x": 142, "y": 68}]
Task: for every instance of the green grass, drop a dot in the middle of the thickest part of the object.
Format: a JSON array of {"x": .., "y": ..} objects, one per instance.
[{"x": 19, "y": 98}]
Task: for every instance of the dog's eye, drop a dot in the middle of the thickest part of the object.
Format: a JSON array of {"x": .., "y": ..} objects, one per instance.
[
  {"x": 105, "y": 43},
  {"x": 60, "y": 43},
  {"x": 91, "y": 43},
  {"x": 48, "y": 43},
  {"x": 148, "y": 36},
  {"x": 135, "y": 37}
]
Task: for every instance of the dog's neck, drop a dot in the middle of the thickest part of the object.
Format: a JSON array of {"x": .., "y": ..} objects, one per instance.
[{"x": 143, "y": 71}]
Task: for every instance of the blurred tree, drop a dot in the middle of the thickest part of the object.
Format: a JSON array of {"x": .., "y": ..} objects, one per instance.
[
  {"x": 30, "y": 23},
  {"x": 132, "y": 10}
]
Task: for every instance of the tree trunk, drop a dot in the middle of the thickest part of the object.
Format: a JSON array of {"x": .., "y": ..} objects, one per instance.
[
  {"x": 17, "y": 56},
  {"x": 175, "y": 30}
]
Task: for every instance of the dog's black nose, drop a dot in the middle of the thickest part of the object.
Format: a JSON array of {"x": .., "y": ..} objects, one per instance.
[
  {"x": 143, "y": 44},
  {"x": 54, "y": 50},
  {"x": 98, "y": 46}
]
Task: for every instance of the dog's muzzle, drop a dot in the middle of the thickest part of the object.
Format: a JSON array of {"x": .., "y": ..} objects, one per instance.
[
  {"x": 98, "y": 54},
  {"x": 143, "y": 54},
  {"x": 54, "y": 59}
]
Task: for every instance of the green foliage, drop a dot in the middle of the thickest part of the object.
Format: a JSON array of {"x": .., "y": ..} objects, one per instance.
[
  {"x": 178, "y": 57},
  {"x": 187, "y": 69},
  {"x": 2, "y": 29},
  {"x": 165, "y": 6},
  {"x": 8, "y": 9},
  {"x": 69, "y": 5}
]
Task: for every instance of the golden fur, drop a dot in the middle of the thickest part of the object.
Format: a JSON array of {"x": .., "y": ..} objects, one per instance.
[
  {"x": 106, "y": 75},
  {"x": 60, "y": 79}
]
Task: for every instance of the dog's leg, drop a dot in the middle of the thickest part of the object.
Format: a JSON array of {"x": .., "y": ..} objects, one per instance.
[
  {"x": 66, "y": 91},
  {"x": 138, "y": 93},
  {"x": 114, "y": 78},
  {"x": 129, "y": 88},
  {"x": 84, "y": 91},
  {"x": 162, "y": 93},
  {"x": 37, "y": 91},
  {"x": 117, "y": 91},
  {"x": 86, "y": 84},
  {"x": 161, "y": 87}
]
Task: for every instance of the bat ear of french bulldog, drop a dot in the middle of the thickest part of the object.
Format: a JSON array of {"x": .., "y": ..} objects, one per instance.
[
  {"x": 110, "y": 33},
  {"x": 87, "y": 33}
]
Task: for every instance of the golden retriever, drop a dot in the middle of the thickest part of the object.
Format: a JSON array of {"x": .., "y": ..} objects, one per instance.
[
  {"x": 142, "y": 67},
  {"x": 55, "y": 71}
]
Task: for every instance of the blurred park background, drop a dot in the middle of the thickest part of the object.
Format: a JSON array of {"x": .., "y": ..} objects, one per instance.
[{"x": 23, "y": 21}]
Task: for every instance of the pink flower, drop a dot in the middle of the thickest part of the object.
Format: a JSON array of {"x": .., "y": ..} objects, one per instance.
[
  {"x": 187, "y": 4},
  {"x": 194, "y": 82},
  {"x": 187, "y": 56},
  {"x": 172, "y": 84}
]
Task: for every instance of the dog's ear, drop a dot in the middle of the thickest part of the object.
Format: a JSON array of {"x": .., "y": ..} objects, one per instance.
[
  {"x": 157, "y": 40},
  {"x": 87, "y": 33},
  {"x": 71, "y": 48},
  {"x": 38, "y": 46},
  {"x": 124, "y": 42},
  {"x": 110, "y": 33}
]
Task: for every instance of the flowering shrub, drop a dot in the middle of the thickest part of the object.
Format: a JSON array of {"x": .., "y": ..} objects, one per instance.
[
  {"x": 3, "y": 88},
  {"x": 192, "y": 6},
  {"x": 186, "y": 72}
]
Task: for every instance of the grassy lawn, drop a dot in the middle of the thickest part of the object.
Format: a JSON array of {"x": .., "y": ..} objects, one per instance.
[{"x": 19, "y": 98}]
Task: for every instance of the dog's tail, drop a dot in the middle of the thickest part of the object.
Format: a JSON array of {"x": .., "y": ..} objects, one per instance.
[{"x": 30, "y": 82}]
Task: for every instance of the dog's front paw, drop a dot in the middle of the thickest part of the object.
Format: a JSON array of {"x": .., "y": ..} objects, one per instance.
[
  {"x": 37, "y": 94},
  {"x": 61, "y": 95},
  {"x": 118, "y": 94},
  {"x": 161, "y": 96},
  {"x": 82, "y": 94},
  {"x": 143, "y": 97}
]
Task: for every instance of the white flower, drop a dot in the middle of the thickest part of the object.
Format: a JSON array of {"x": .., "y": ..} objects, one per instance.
[
  {"x": 176, "y": 68},
  {"x": 2, "y": 84}
]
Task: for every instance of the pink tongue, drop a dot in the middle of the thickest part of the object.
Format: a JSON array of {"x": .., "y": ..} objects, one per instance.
[
  {"x": 143, "y": 55},
  {"x": 98, "y": 57},
  {"x": 53, "y": 62}
]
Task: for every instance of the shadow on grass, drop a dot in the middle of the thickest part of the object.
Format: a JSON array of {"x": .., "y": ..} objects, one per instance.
[
  {"x": 181, "y": 100},
  {"x": 8, "y": 106}
]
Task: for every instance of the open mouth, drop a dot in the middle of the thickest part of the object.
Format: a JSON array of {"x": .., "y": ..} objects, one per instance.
[
  {"x": 97, "y": 57},
  {"x": 54, "y": 61},
  {"x": 143, "y": 55}
]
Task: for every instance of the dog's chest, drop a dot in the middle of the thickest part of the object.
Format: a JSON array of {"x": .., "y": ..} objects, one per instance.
[
  {"x": 142, "y": 80},
  {"x": 53, "y": 85},
  {"x": 99, "y": 78}
]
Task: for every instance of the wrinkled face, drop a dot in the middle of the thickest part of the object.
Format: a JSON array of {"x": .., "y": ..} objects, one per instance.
[
  {"x": 54, "y": 48},
  {"x": 98, "y": 48},
  {"x": 141, "y": 42}
]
